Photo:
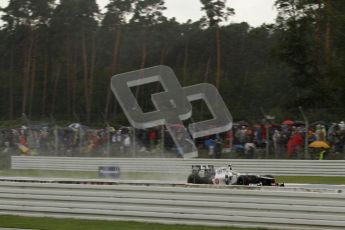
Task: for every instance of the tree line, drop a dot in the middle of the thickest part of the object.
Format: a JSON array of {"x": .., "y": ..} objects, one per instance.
[{"x": 58, "y": 56}]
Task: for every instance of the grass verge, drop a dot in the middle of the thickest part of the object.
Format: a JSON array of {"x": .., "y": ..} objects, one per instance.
[
  {"x": 75, "y": 224},
  {"x": 311, "y": 180}
]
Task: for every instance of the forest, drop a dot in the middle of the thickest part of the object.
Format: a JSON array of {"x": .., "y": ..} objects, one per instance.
[{"x": 57, "y": 57}]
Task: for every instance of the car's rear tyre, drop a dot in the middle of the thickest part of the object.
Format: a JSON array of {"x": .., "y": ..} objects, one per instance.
[
  {"x": 242, "y": 180},
  {"x": 267, "y": 180},
  {"x": 191, "y": 179},
  {"x": 196, "y": 179}
]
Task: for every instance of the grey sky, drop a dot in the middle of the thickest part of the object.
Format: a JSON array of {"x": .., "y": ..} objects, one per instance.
[{"x": 255, "y": 12}]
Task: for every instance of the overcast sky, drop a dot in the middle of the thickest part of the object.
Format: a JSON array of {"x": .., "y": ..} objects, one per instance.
[{"x": 255, "y": 12}]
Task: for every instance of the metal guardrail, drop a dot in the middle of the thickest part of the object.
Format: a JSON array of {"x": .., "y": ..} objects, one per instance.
[
  {"x": 197, "y": 205},
  {"x": 172, "y": 165}
]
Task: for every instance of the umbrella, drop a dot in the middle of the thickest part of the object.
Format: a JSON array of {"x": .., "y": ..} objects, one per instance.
[
  {"x": 288, "y": 122},
  {"x": 77, "y": 126},
  {"x": 319, "y": 144}
]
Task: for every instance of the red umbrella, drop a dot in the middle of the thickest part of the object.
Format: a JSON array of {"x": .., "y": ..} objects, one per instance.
[{"x": 288, "y": 122}]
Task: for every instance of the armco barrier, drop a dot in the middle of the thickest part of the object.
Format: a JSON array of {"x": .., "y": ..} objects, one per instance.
[
  {"x": 274, "y": 167},
  {"x": 275, "y": 208}
]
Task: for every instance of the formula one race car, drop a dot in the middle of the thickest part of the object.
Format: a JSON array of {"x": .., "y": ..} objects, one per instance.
[{"x": 206, "y": 174}]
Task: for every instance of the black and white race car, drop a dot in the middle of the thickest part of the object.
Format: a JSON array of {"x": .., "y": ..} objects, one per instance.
[{"x": 206, "y": 174}]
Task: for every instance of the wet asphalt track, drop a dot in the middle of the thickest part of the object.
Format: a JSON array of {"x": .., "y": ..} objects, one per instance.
[{"x": 332, "y": 188}]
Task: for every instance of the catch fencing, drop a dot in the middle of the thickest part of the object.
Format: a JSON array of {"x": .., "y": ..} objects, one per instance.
[
  {"x": 173, "y": 165},
  {"x": 277, "y": 208}
]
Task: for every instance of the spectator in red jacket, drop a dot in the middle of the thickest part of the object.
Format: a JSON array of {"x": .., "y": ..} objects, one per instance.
[
  {"x": 295, "y": 143},
  {"x": 152, "y": 138}
]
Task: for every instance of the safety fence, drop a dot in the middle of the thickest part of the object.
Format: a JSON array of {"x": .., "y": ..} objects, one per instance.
[
  {"x": 173, "y": 165},
  {"x": 276, "y": 208}
]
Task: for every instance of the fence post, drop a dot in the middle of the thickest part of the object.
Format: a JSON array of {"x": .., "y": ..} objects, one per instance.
[
  {"x": 306, "y": 150},
  {"x": 134, "y": 143},
  {"x": 80, "y": 140},
  {"x": 56, "y": 140},
  {"x": 162, "y": 141},
  {"x": 56, "y": 135},
  {"x": 107, "y": 131},
  {"x": 267, "y": 122}
]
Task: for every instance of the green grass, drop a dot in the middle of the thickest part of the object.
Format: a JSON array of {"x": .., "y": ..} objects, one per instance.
[
  {"x": 160, "y": 176},
  {"x": 311, "y": 180},
  {"x": 91, "y": 175},
  {"x": 74, "y": 224}
]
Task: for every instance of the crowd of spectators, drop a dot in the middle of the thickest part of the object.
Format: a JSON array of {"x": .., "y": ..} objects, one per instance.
[
  {"x": 73, "y": 140},
  {"x": 286, "y": 140},
  {"x": 289, "y": 139},
  {"x": 79, "y": 140}
]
